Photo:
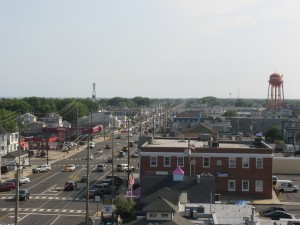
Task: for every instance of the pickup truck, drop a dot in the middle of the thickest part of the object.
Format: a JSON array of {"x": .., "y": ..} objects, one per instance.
[{"x": 41, "y": 168}]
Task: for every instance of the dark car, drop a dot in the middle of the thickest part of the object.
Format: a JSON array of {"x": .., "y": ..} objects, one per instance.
[
  {"x": 101, "y": 167},
  {"x": 271, "y": 209},
  {"x": 107, "y": 146},
  {"x": 93, "y": 193},
  {"x": 117, "y": 179},
  {"x": 7, "y": 186},
  {"x": 4, "y": 169},
  {"x": 83, "y": 178},
  {"x": 70, "y": 186},
  {"x": 24, "y": 194},
  {"x": 110, "y": 160},
  {"x": 276, "y": 215}
]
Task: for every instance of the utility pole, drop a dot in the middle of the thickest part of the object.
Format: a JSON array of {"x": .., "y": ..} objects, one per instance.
[
  {"x": 77, "y": 128},
  {"x": 17, "y": 181},
  {"x": 47, "y": 144},
  {"x": 87, "y": 218},
  {"x": 128, "y": 158},
  {"x": 112, "y": 158},
  {"x": 153, "y": 126}
]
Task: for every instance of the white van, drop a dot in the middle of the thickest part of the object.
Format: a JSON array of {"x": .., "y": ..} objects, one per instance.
[
  {"x": 286, "y": 186},
  {"x": 122, "y": 167}
]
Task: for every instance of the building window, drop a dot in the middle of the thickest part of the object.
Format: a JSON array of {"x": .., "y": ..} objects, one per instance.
[
  {"x": 259, "y": 185},
  {"x": 153, "y": 215},
  {"x": 219, "y": 162},
  {"x": 259, "y": 163},
  {"x": 245, "y": 162},
  {"x": 164, "y": 215},
  {"x": 232, "y": 162},
  {"x": 153, "y": 161},
  {"x": 231, "y": 185},
  {"x": 180, "y": 161},
  {"x": 206, "y": 162},
  {"x": 245, "y": 185},
  {"x": 167, "y": 161}
]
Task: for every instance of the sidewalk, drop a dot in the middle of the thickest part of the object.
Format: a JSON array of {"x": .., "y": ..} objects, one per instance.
[{"x": 54, "y": 155}]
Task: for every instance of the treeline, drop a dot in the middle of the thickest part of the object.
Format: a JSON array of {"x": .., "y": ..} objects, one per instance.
[{"x": 69, "y": 108}]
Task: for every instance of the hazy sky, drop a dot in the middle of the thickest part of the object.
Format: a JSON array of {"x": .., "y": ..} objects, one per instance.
[{"x": 148, "y": 48}]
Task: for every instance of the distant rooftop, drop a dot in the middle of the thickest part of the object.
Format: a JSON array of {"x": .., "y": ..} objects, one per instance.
[{"x": 167, "y": 143}]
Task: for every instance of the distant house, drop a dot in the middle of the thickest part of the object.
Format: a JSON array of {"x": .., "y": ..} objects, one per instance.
[
  {"x": 53, "y": 120},
  {"x": 27, "y": 118},
  {"x": 12, "y": 159}
]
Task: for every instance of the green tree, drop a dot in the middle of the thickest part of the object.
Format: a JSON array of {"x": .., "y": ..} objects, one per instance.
[
  {"x": 124, "y": 207},
  {"x": 70, "y": 112},
  {"x": 272, "y": 134},
  {"x": 8, "y": 120},
  {"x": 230, "y": 113},
  {"x": 240, "y": 103}
]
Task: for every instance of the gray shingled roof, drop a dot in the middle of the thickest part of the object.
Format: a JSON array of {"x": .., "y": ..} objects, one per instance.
[
  {"x": 14, "y": 154},
  {"x": 177, "y": 220},
  {"x": 196, "y": 192},
  {"x": 160, "y": 205}
]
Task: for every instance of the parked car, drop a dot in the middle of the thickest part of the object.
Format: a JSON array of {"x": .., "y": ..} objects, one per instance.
[
  {"x": 107, "y": 146},
  {"x": 4, "y": 169},
  {"x": 116, "y": 178},
  {"x": 109, "y": 160},
  {"x": 7, "y": 186},
  {"x": 99, "y": 151},
  {"x": 135, "y": 155},
  {"x": 24, "y": 180},
  {"x": 41, "y": 168},
  {"x": 124, "y": 167},
  {"x": 93, "y": 193},
  {"x": 125, "y": 149},
  {"x": 24, "y": 194},
  {"x": 286, "y": 186},
  {"x": 131, "y": 144},
  {"x": 101, "y": 167},
  {"x": 102, "y": 187},
  {"x": 70, "y": 168},
  {"x": 13, "y": 180},
  {"x": 90, "y": 157},
  {"x": 271, "y": 209},
  {"x": 83, "y": 178},
  {"x": 91, "y": 145},
  {"x": 276, "y": 215},
  {"x": 70, "y": 186},
  {"x": 121, "y": 154}
]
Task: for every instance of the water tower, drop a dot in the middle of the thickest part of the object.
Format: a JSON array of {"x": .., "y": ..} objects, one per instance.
[{"x": 275, "y": 92}]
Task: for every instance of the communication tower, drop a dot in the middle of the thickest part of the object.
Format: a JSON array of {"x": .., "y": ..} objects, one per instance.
[
  {"x": 275, "y": 92},
  {"x": 94, "y": 91}
]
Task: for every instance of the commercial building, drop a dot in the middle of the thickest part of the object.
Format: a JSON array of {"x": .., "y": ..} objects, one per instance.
[{"x": 239, "y": 169}]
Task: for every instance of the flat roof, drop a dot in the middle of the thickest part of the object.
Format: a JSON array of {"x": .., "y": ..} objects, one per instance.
[{"x": 167, "y": 143}]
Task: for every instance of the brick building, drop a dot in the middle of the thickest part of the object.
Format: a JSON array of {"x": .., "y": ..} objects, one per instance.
[{"x": 240, "y": 169}]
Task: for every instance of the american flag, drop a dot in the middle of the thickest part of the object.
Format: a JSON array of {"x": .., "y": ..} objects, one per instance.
[
  {"x": 131, "y": 180},
  {"x": 192, "y": 148}
]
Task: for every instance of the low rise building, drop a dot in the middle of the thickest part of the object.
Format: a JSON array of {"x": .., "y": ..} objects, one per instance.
[{"x": 239, "y": 169}]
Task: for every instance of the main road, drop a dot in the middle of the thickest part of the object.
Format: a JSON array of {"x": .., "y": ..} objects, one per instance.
[{"x": 49, "y": 203}]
